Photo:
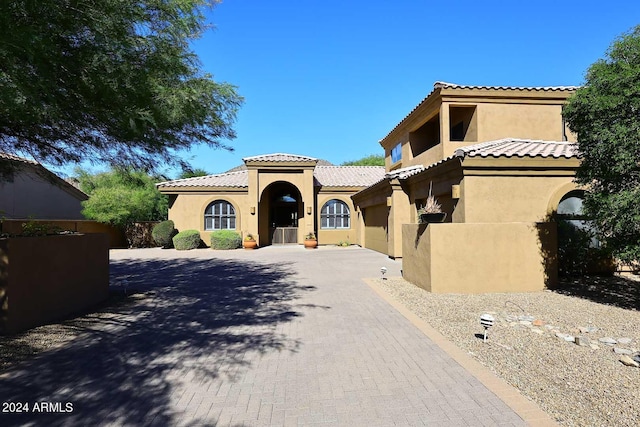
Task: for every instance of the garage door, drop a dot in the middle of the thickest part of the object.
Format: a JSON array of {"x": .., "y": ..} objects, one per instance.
[{"x": 375, "y": 228}]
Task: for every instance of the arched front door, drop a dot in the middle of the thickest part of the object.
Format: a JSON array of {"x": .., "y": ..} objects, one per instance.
[{"x": 280, "y": 207}]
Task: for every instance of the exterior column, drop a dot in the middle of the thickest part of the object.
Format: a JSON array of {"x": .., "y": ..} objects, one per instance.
[
  {"x": 250, "y": 222},
  {"x": 399, "y": 213}
]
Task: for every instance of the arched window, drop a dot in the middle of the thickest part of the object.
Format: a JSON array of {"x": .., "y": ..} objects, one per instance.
[
  {"x": 220, "y": 215},
  {"x": 335, "y": 214}
]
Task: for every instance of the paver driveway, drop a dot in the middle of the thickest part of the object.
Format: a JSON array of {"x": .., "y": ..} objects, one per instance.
[{"x": 277, "y": 336}]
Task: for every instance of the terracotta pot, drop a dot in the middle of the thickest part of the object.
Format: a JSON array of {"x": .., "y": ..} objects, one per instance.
[
  {"x": 249, "y": 244},
  {"x": 310, "y": 244}
]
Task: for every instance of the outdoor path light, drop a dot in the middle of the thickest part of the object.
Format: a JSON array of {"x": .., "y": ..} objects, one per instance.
[
  {"x": 487, "y": 321},
  {"x": 383, "y": 270}
]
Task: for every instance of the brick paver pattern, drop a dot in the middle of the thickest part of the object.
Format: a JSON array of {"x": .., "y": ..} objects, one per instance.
[{"x": 273, "y": 337}]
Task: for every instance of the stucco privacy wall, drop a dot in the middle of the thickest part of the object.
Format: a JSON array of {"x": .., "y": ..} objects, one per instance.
[
  {"x": 479, "y": 258},
  {"x": 46, "y": 278}
]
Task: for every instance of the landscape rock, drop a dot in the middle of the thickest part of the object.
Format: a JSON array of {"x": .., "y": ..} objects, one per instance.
[
  {"x": 624, "y": 340},
  {"x": 608, "y": 341},
  {"x": 626, "y": 360},
  {"x": 588, "y": 329},
  {"x": 526, "y": 318},
  {"x": 566, "y": 337},
  {"x": 537, "y": 322},
  {"x": 582, "y": 341},
  {"x": 618, "y": 350},
  {"x": 594, "y": 346}
]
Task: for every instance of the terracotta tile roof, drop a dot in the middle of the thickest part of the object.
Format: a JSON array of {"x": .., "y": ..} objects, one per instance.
[
  {"x": 512, "y": 147},
  {"x": 348, "y": 176},
  {"x": 327, "y": 176},
  {"x": 279, "y": 157},
  {"x": 7, "y": 156},
  {"x": 445, "y": 85},
  {"x": 405, "y": 173},
  {"x": 231, "y": 179}
]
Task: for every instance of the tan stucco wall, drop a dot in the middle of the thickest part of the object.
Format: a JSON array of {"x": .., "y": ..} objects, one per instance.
[
  {"x": 479, "y": 258},
  {"x": 31, "y": 196},
  {"x": 508, "y": 198},
  {"x": 187, "y": 212},
  {"x": 515, "y": 116}
]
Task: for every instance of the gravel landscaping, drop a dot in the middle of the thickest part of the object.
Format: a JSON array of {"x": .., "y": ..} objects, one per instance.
[{"x": 533, "y": 346}]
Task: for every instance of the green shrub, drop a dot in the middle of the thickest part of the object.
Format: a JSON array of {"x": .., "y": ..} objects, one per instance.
[
  {"x": 225, "y": 239},
  {"x": 163, "y": 234},
  {"x": 186, "y": 240}
]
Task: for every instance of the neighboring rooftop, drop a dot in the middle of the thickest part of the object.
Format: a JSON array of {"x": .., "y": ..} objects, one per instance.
[{"x": 7, "y": 156}]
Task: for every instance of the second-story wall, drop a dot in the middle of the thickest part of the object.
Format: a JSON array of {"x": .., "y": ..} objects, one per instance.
[{"x": 456, "y": 116}]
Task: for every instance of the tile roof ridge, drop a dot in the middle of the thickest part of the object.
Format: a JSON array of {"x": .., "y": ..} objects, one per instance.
[
  {"x": 277, "y": 154},
  {"x": 446, "y": 85}
]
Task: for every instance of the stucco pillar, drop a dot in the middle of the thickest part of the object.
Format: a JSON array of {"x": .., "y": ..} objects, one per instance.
[
  {"x": 307, "y": 225},
  {"x": 399, "y": 213},
  {"x": 250, "y": 220}
]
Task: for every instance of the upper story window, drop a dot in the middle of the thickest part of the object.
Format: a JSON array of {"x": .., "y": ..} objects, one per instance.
[
  {"x": 220, "y": 215},
  {"x": 335, "y": 214},
  {"x": 396, "y": 153},
  {"x": 463, "y": 123}
]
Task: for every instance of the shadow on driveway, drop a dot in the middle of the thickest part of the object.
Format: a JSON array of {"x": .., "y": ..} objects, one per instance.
[{"x": 183, "y": 319}]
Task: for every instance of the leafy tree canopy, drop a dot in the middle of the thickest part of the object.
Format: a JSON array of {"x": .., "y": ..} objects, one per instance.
[
  {"x": 108, "y": 81},
  {"x": 192, "y": 173},
  {"x": 371, "y": 160},
  {"x": 605, "y": 114},
  {"x": 121, "y": 197}
]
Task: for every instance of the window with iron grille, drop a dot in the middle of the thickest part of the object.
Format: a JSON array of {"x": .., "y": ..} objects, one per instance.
[
  {"x": 220, "y": 215},
  {"x": 335, "y": 214}
]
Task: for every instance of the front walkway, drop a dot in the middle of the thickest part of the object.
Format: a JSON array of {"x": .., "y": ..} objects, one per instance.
[{"x": 276, "y": 336}]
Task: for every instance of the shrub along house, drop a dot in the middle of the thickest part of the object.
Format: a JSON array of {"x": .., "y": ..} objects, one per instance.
[
  {"x": 278, "y": 198},
  {"x": 499, "y": 161}
]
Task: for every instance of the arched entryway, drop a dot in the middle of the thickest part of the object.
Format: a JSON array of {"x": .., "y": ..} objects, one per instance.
[{"x": 280, "y": 208}]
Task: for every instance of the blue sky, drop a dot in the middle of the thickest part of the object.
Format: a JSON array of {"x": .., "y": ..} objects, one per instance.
[{"x": 330, "y": 78}]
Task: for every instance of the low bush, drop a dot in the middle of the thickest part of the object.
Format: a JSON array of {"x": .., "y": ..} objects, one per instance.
[
  {"x": 163, "y": 234},
  {"x": 186, "y": 240},
  {"x": 225, "y": 239}
]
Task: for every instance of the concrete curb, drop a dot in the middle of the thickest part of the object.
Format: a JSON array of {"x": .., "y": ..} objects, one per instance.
[{"x": 525, "y": 408}]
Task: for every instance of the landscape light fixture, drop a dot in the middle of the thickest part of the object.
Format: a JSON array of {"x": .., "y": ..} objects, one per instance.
[
  {"x": 383, "y": 270},
  {"x": 487, "y": 321}
]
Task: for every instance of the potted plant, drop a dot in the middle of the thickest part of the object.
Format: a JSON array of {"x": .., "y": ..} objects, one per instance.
[
  {"x": 310, "y": 241},
  {"x": 249, "y": 241},
  {"x": 432, "y": 210}
]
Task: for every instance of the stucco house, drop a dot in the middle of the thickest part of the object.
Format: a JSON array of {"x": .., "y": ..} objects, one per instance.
[
  {"x": 277, "y": 197},
  {"x": 499, "y": 159},
  {"x": 32, "y": 191}
]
